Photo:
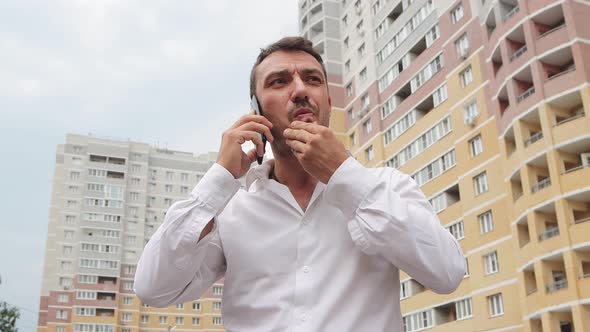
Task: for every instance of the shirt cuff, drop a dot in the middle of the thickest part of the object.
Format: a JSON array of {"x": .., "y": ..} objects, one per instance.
[
  {"x": 349, "y": 186},
  {"x": 216, "y": 188}
]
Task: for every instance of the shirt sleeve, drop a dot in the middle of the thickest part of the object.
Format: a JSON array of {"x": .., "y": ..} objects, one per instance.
[
  {"x": 175, "y": 267},
  {"x": 390, "y": 216}
]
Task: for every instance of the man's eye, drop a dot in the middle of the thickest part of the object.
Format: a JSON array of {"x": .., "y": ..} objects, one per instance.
[
  {"x": 314, "y": 79},
  {"x": 278, "y": 81}
]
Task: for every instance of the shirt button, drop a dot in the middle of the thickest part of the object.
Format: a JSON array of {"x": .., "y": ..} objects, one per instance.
[
  {"x": 306, "y": 269},
  {"x": 303, "y": 317}
]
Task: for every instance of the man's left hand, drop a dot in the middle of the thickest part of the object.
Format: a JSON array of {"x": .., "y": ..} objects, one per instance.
[{"x": 317, "y": 149}]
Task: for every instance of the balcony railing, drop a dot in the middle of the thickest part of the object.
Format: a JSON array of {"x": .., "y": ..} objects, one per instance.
[
  {"x": 575, "y": 169},
  {"x": 561, "y": 284},
  {"x": 529, "y": 92},
  {"x": 533, "y": 138},
  {"x": 579, "y": 115},
  {"x": 518, "y": 195},
  {"x": 561, "y": 73},
  {"x": 541, "y": 185},
  {"x": 549, "y": 233},
  {"x": 531, "y": 291},
  {"x": 518, "y": 53},
  {"x": 579, "y": 221},
  {"x": 511, "y": 13},
  {"x": 552, "y": 30}
]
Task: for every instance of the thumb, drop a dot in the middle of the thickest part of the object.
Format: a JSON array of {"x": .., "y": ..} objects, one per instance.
[{"x": 251, "y": 155}]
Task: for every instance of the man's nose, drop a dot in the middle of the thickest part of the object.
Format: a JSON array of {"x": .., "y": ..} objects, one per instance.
[{"x": 299, "y": 89}]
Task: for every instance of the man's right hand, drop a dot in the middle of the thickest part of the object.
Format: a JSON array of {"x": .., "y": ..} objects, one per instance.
[{"x": 247, "y": 128}]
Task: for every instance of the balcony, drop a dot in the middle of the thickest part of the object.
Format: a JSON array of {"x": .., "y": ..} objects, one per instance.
[
  {"x": 530, "y": 280},
  {"x": 516, "y": 186},
  {"x": 549, "y": 21},
  {"x": 557, "y": 285},
  {"x": 525, "y": 94},
  {"x": 523, "y": 232},
  {"x": 522, "y": 50},
  {"x": 542, "y": 184},
  {"x": 509, "y": 11},
  {"x": 533, "y": 138},
  {"x": 491, "y": 23},
  {"x": 575, "y": 164},
  {"x": 549, "y": 233}
]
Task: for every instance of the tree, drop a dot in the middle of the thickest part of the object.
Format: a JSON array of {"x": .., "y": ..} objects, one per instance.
[{"x": 8, "y": 317}]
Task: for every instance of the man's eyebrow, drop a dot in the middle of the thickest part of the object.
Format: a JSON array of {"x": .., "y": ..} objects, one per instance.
[
  {"x": 309, "y": 71},
  {"x": 283, "y": 72}
]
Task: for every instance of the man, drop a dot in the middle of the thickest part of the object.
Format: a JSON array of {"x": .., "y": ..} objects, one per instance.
[{"x": 316, "y": 240}]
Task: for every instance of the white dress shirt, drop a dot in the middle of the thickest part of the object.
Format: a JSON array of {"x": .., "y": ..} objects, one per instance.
[{"x": 332, "y": 267}]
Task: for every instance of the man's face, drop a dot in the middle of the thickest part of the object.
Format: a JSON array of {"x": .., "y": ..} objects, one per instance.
[{"x": 290, "y": 85}]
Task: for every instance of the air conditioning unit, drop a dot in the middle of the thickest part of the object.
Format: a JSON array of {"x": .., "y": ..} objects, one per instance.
[
  {"x": 585, "y": 159},
  {"x": 470, "y": 120}
]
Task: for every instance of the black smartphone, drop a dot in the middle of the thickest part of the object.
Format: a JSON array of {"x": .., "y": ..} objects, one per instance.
[{"x": 256, "y": 107}]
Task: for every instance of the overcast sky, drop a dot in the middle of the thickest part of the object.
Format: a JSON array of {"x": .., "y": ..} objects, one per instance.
[{"x": 167, "y": 72}]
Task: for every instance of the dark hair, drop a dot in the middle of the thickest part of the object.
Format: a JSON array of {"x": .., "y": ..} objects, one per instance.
[{"x": 284, "y": 44}]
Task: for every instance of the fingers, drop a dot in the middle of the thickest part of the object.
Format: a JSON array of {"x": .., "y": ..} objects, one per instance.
[
  {"x": 296, "y": 146},
  {"x": 298, "y": 134},
  {"x": 251, "y": 155},
  {"x": 259, "y": 128},
  {"x": 313, "y": 128},
  {"x": 252, "y": 118}
]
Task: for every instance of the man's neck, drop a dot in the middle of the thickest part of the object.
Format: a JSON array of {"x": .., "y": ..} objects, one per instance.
[{"x": 289, "y": 172}]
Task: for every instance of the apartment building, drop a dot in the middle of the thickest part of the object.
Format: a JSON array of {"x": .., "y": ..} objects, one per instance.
[
  {"x": 485, "y": 104},
  {"x": 107, "y": 200}
]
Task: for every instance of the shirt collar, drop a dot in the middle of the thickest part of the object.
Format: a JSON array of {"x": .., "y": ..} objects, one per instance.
[{"x": 259, "y": 172}]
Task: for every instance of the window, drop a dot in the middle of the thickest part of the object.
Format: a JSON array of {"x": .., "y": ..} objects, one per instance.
[
  {"x": 435, "y": 168},
  {"x": 63, "y": 298},
  {"x": 345, "y": 20},
  {"x": 367, "y": 126},
  {"x": 463, "y": 309},
  {"x": 67, "y": 250},
  {"x": 359, "y": 27},
  {"x": 365, "y": 102},
  {"x": 456, "y": 230},
  {"x": 66, "y": 266},
  {"x": 496, "y": 305},
  {"x": 417, "y": 146},
  {"x": 134, "y": 196},
  {"x": 418, "y": 321},
  {"x": 349, "y": 90},
  {"x": 82, "y": 311},
  {"x": 131, "y": 240},
  {"x": 466, "y": 77},
  {"x": 184, "y": 190},
  {"x": 432, "y": 35},
  {"x": 71, "y": 203},
  {"x": 73, "y": 189},
  {"x": 369, "y": 153},
  {"x": 126, "y": 317},
  {"x": 216, "y": 305},
  {"x": 470, "y": 110},
  {"x": 217, "y": 321},
  {"x": 399, "y": 127},
  {"x": 462, "y": 45},
  {"x": 135, "y": 181},
  {"x": 357, "y": 6},
  {"x": 169, "y": 175},
  {"x": 346, "y": 43},
  {"x": 352, "y": 138},
  {"x": 135, "y": 168},
  {"x": 128, "y": 285},
  {"x": 196, "y": 321},
  {"x": 466, "y": 267},
  {"x": 180, "y": 306},
  {"x": 85, "y": 295},
  {"x": 217, "y": 290},
  {"x": 65, "y": 282},
  {"x": 491, "y": 263},
  {"x": 480, "y": 182},
  {"x": 404, "y": 290},
  {"x": 61, "y": 314},
  {"x": 183, "y": 176},
  {"x": 361, "y": 51},
  {"x": 441, "y": 94},
  {"x": 168, "y": 188},
  {"x": 179, "y": 321},
  {"x": 347, "y": 67},
  {"x": 457, "y": 14},
  {"x": 486, "y": 222},
  {"x": 163, "y": 320},
  {"x": 196, "y": 306},
  {"x": 363, "y": 74},
  {"x": 127, "y": 300},
  {"x": 87, "y": 279},
  {"x": 167, "y": 202},
  {"x": 74, "y": 175},
  {"x": 145, "y": 319},
  {"x": 476, "y": 146},
  {"x": 60, "y": 329},
  {"x": 427, "y": 73},
  {"x": 350, "y": 114}
]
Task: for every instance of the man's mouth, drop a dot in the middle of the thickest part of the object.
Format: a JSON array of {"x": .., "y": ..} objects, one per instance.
[{"x": 304, "y": 114}]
